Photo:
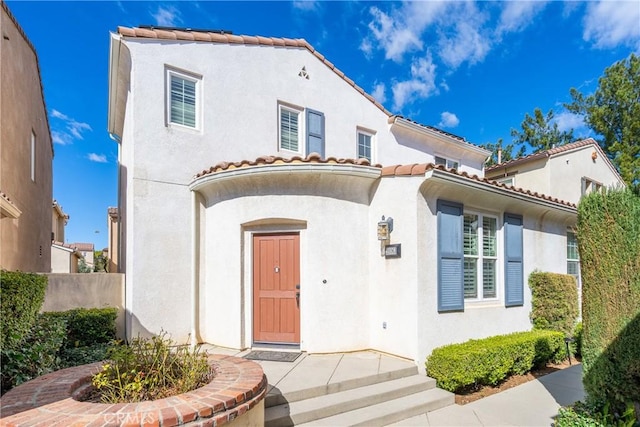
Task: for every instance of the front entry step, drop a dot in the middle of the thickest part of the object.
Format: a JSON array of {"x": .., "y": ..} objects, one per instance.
[{"x": 386, "y": 401}]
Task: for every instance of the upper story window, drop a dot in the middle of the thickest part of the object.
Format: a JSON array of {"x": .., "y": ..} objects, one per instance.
[
  {"x": 589, "y": 185},
  {"x": 183, "y": 103},
  {"x": 448, "y": 163},
  {"x": 289, "y": 129},
  {"x": 32, "y": 159},
  {"x": 573, "y": 259},
  {"x": 365, "y": 146},
  {"x": 507, "y": 181},
  {"x": 480, "y": 256},
  {"x": 292, "y": 127}
]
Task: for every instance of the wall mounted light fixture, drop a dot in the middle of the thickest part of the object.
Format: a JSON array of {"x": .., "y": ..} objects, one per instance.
[{"x": 385, "y": 227}]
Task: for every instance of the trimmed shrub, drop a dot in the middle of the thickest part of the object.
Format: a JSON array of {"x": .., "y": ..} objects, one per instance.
[
  {"x": 88, "y": 326},
  {"x": 491, "y": 360},
  {"x": 554, "y": 300},
  {"x": 608, "y": 234},
  {"x": 36, "y": 355},
  {"x": 21, "y": 296},
  {"x": 576, "y": 345}
]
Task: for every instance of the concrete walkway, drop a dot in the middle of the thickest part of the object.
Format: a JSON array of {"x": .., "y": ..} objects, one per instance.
[{"x": 535, "y": 403}]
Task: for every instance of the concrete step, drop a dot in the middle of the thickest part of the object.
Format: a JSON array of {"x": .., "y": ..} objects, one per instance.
[
  {"x": 275, "y": 397},
  {"x": 390, "y": 411},
  {"x": 325, "y": 407}
]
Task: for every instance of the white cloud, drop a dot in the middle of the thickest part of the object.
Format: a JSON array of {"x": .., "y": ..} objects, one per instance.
[
  {"x": 72, "y": 129},
  {"x": 306, "y": 5},
  {"x": 448, "y": 120},
  {"x": 99, "y": 158},
  {"x": 567, "y": 121},
  {"x": 379, "y": 92},
  {"x": 167, "y": 16},
  {"x": 517, "y": 15},
  {"x": 612, "y": 23},
  {"x": 421, "y": 85}
]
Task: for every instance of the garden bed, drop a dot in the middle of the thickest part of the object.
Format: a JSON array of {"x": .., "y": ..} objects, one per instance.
[{"x": 476, "y": 393}]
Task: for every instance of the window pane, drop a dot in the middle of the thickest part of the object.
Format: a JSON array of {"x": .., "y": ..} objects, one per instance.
[
  {"x": 470, "y": 278},
  {"x": 489, "y": 278},
  {"x": 441, "y": 161},
  {"x": 471, "y": 235},
  {"x": 452, "y": 165},
  {"x": 489, "y": 241},
  {"x": 183, "y": 102},
  {"x": 289, "y": 130},
  {"x": 573, "y": 268},
  {"x": 364, "y": 146},
  {"x": 572, "y": 246}
]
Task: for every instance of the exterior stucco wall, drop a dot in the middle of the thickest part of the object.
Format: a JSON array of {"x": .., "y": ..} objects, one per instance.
[
  {"x": 97, "y": 290},
  {"x": 26, "y": 240},
  {"x": 63, "y": 260},
  {"x": 568, "y": 169}
]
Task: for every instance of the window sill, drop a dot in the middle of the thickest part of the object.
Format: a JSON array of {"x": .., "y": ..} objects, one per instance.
[
  {"x": 182, "y": 128},
  {"x": 488, "y": 303}
]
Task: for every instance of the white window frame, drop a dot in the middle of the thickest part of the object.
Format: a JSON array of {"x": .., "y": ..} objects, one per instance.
[
  {"x": 297, "y": 111},
  {"x": 371, "y": 136},
  {"x": 479, "y": 257},
  {"x": 573, "y": 261},
  {"x": 509, "y": 180},
  {"x": 32, "y": 159},
  {"x": 197, "y": 80},
  {"x": 446, "y": 162},
  {"x": 589, "y": 185}
]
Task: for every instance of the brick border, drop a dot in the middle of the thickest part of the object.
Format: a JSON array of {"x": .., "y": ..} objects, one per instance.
[{"x": 238, "y": 386}]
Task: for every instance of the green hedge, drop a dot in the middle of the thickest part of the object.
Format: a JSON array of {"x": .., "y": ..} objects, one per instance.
[
  {"x": 35, "y": 355},
  {"x": 491, "y": 360},
  {"x": 88, "y": 326},
  {"x": 21, "y": 296},
  {"x": 608, "y": 234},
  {"x": 554, "y": 301}
]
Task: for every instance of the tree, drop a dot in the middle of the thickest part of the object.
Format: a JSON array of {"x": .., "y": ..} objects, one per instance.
[
  {"x": 83, "y": 267},
  {"x": 613, "y": 111},
  {"x": 505, "y": 156},
  {"x": 541, "y": 132},
  {"x": 100, "y": 262}
]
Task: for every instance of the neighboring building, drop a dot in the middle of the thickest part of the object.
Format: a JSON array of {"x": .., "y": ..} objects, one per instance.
[
  {"x": 113, "y": 225},
  {"x": 58, "y": 223},
  {"x": 64, "y": 258},
  {"x": 87, "y": 252},
  {"x": 278, "y": 241},
  {"x": 567, "y": 172},
  {"x": 27, "y": 154}
]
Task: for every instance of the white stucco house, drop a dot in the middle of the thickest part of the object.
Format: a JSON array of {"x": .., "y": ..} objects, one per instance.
[{"x": 256, "y": 181}]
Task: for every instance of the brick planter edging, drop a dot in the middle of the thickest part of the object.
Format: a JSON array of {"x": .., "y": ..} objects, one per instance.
[{"x": 238, "y": 386}]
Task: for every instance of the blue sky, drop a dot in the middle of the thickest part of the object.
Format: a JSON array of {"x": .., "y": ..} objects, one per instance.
[{"x": 471, "y": 68}]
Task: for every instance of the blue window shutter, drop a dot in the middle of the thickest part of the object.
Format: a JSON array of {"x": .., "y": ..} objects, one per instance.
[
  {"x": 315, "y": 132},
  {"x": 513, "y": 271},
  {"x": 450, "y": 256}
]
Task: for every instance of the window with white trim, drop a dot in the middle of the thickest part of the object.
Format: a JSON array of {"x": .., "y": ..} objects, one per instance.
[
  {"x": 365, "y": 143},
  {"x": 448, "y": 163},
  {"x": 33, "y": 157},
  {"x": 510, "y": 181},
  {"x": 289, "y": 129},
  {"x": 480, "y": 256},
  {"x": 573, "y": 259},
  {"x": 589, "y": 186},
  {"x": 183, "y": 103}
]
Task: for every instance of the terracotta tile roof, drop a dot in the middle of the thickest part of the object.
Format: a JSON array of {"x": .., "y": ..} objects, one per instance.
[
  {"x": 422, "y": 168},
  {"x": 4, "y": 7},
  {"x": 552, "y": 152},
  {"x": 415, "y": 169},
  {"x": 435, "y": 129},
  {"x": 86, "y": 247},
  {"x": 271, "y": 160},
  {"x": 217, "y": 37}
]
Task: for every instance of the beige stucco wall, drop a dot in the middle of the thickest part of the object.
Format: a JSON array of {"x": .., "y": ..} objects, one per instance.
[
  {"x": 25, "y": 242},
  {"x": 96, "y": 290}
]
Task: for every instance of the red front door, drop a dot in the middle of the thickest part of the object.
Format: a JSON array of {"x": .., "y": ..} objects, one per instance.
[{"x": 276, "y": 273}]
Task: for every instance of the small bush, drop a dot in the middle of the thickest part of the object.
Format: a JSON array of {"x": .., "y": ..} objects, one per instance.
[
  {"x": 554, "y": 301},
  {"x": 21, "y": 296},
  {"x": 76, "y": 356},
  {"x": 491, "y": 360},
  {"x": 36, "y": 355},
  {"x": 150, "y": 369},
  {"x": 89, "y": 326},
  {"x": 576, "y": 345},
  {"x": 585, "y": 415}
]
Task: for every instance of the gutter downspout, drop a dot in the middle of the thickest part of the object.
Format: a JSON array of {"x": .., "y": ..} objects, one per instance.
[{"x": 194, "y": 270}]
